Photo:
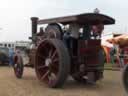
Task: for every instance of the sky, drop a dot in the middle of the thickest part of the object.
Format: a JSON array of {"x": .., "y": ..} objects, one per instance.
[{"x": 15, "y": 15}]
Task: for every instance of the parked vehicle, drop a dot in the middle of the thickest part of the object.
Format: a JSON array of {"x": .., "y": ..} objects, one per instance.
[{"x": 4, "y": 55}]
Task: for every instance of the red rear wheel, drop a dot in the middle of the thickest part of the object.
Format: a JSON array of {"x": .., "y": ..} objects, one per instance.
[{"x": 52, "y": 62}]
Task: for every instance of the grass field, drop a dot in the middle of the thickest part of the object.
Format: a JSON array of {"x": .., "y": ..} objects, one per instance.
[{"x": 29, "y": 85}]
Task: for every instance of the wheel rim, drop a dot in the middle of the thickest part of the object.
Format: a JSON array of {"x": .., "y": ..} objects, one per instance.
[{"x": 47, "y": 63}]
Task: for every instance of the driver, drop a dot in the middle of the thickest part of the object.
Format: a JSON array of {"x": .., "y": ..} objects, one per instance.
[{"x": 97, "y": 30}]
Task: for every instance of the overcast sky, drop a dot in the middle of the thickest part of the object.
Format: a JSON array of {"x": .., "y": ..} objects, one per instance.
[{"x": 15, "y": 14}]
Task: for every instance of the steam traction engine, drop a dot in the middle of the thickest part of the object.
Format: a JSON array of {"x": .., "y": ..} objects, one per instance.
[{"x": 68, "y": 46}]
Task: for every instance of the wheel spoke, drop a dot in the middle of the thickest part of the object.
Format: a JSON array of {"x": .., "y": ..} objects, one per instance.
[
  {"x": 45, "y": 48},
  {"x": 41, "y": 56},
  {"x": 50, "y": 53},
  {"x": 52, "y": 77},
  {"x": 45, "y": 75},
  {"x": 55, "y": 69},
  {"x": 55, "y": 60},
  {"x": 54, "y": 54},
  {"x": 41, "y": 67}
]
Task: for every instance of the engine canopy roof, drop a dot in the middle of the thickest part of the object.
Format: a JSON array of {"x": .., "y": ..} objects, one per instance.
[{"x": 86, "y": 18}]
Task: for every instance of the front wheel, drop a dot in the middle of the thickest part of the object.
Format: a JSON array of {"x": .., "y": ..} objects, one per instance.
[{"x": 18, "y": 66}]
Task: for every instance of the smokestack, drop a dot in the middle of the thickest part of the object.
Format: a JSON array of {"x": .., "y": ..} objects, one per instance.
[{"x": 34, "y": 27}]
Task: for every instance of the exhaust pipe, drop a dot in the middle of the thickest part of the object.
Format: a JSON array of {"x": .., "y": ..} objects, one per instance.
[{"x": 34, "y": 28}]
